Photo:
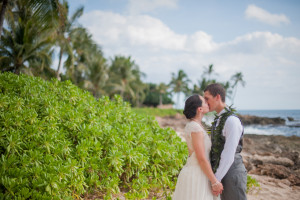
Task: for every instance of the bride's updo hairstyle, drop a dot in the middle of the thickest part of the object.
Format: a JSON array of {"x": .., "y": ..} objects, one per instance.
[{"x": 191, "y": 105}]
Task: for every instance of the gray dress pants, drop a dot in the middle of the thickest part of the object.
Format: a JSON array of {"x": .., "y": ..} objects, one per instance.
[{"x": 235, "y": 181}]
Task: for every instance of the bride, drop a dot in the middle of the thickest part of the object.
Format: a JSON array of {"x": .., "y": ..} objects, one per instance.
[{"x": 196, "y": 179}]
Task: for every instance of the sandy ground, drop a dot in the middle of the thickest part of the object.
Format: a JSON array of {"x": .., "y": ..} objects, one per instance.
[{"x": 273, "y": 189}]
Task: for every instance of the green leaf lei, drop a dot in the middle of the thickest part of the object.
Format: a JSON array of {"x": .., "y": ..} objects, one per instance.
[{"x": 217, "y": 138}]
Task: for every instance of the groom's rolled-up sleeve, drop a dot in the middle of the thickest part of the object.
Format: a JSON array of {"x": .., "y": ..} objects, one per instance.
[{"x": 232, "y": 131}]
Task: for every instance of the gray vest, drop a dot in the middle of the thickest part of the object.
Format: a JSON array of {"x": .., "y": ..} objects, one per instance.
[{"x": 235, "y": 180}]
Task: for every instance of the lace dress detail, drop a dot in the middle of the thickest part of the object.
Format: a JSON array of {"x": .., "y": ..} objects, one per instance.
[{"x": 192, "y": 183}]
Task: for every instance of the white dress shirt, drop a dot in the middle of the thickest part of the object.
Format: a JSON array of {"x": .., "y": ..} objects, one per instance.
[{"x": 232, "y": 132}]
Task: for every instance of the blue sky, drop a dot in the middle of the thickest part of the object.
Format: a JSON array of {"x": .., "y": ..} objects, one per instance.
[{"x": 259, "y": 38}]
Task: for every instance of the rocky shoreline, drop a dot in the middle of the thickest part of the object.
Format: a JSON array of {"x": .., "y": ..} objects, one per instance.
[
  {"x": 274, "y": 156},
  {"x": 251, "y": 120},
  {"x": 274, "y": 161}
]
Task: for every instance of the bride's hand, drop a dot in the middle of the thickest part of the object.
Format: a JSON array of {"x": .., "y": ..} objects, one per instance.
[{"x": 217, "y": 188}]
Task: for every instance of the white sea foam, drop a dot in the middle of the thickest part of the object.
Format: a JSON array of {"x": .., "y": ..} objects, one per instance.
[{"x": 263, "y": 130}]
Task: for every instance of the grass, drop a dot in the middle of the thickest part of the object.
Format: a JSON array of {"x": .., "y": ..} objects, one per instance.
[
  {"x": 161, "y": 112},
  {"x": 157, "y": 111}
]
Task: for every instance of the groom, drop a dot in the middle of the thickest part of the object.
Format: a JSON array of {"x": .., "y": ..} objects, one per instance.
[{"x": 227, "y": 143}]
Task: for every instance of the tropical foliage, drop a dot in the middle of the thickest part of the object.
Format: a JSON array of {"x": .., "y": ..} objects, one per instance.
[
  {"x": 179, "y": 83},
  {"x": 25, "y": 45},
  {"x": 206, "y": 79},
  {"x": 125, "y": 79},
  {"x": 157, "y": 95},
  {"x": 237, "y": 79},
  {"x": 63, "y": 35},
  {"x": 58, "y": 142}
]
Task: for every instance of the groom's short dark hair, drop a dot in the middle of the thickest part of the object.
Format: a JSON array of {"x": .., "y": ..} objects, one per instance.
[{"x": 215, "y": 89}]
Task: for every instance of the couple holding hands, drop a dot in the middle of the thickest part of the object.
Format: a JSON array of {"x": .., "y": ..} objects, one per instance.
[{"x": 214, "y": 168}]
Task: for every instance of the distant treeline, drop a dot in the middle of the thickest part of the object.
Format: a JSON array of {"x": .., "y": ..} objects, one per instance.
[{"x": 33, "y": 30}]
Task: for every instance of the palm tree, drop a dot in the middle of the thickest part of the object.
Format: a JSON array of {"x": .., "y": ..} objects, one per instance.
[
  {"x": 202, "y": 84},
  {"x": 208, "y": 71},
  {"x": 2, "y": 14},
  {"x": 26, "y": 41},
  {"x": 44, "y": 11},
  {"x": 123, "y": 72},
  {"x": 63, "y": 34},
  {"x": 96, "y": 76},
  {"x": 179, "y": 83},
  {"x": 139, "y": 88},
  {"x": 84, "y": 51},
  {"x": 162, "y": 89},
  {"x": 228, "y": 89},
  {"x": 237, "y": 78}
]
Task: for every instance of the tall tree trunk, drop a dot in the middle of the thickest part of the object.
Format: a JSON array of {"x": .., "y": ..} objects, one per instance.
[
  {"x": 137, "y": 101},
  {"x": 234, "y": 93},
  {"x": 160, "y": 99},
  {"x": 59, "y": 64},
  {"x": 95, "y": 91},
  {"x": 2, "y": 14},
  {"x": 178, "y": 98},
  {"x": 17, "y": 69}
]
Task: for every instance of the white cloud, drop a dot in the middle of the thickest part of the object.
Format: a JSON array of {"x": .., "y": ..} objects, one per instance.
[
  {"x": 144, "y": 6},
  {"x": 111, "y": 28},
  {"x": 145, "y": 30},
  {"x": 262, "y": 42},
  {"x": 200, "y": 42},
  {"x": 254, "y": 12},
  {"x": 268, "y": 61}
]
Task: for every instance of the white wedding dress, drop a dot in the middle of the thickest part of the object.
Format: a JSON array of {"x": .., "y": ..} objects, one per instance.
[{"x": 192, "y": 183}]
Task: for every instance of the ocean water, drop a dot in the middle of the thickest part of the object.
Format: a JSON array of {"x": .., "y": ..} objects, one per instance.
[{"x": 290, "y": 128}]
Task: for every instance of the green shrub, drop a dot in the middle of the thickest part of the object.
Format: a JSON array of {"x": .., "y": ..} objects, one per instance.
[{"x": 59, "y": 142}]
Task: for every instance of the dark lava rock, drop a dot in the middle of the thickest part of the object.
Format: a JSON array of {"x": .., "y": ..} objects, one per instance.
[{"x": 255, "y": 120}]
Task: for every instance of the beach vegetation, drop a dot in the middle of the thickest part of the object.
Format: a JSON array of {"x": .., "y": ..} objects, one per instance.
[
  {"x": 59, "y": 142},
  {"x": 252, "y": 183}
]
